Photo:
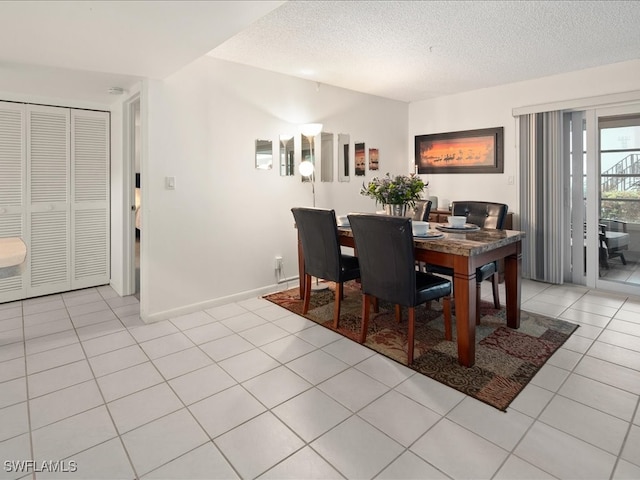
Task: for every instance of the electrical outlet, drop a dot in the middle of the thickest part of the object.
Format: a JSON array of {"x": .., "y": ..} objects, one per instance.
[{"x": 278, "y": 265}]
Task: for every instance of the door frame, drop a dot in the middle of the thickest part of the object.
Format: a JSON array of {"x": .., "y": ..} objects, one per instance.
[
  {"x": 593, "y": 199},
  {"x": 129, "y": 185}
]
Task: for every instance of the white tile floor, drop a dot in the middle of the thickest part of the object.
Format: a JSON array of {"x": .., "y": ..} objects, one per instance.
[{"x": 250, "y": 390}]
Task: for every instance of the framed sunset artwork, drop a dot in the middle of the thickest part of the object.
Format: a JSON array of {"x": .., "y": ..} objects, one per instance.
[{"x": 471, "y": 151}]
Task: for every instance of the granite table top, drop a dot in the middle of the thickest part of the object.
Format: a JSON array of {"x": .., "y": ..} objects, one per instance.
[{"x": 463, "y": 243}]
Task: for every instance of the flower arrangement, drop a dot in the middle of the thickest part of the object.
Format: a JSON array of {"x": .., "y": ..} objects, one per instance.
[{"x": 398, "y": 190}]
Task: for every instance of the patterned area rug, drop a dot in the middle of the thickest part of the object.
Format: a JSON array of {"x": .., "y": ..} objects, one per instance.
[{"x": 506, "y": 359}]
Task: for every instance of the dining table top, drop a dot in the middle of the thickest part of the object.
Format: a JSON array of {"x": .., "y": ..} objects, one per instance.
[{"x": 465, "y": 243}]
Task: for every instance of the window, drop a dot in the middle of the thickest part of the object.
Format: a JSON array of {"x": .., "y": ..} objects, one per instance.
[{"x": 620, "y": 168}]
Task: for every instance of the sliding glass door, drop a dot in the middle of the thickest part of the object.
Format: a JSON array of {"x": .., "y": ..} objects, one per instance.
[
  {"x": 575, "y": 135},
  {"x": 619, "y": 198}
]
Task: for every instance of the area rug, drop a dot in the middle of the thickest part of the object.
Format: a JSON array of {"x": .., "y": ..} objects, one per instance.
[{"x": 506, "y": 359}]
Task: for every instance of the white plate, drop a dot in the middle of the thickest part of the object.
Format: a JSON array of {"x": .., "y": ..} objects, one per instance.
[
  {"x": 430, "y": 234},
  {"x": 468, "y": 227}
]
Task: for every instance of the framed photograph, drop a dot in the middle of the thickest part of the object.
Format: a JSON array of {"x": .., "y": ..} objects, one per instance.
[
  {"x": 360, "y": 159},
  {"x": 471, "y": 151},
  {"x": 373, "y": 159}
]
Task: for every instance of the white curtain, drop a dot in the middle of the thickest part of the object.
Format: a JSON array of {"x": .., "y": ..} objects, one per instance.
[{"x": 543, "y": 202}]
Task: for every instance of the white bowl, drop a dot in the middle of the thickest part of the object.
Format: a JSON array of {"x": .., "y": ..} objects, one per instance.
[
  {"x": 456, "y": 221},
  {"x": 419, "y": 228}
]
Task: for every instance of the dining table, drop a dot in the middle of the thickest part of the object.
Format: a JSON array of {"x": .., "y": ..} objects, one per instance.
[{"x": 463, "y": 252}]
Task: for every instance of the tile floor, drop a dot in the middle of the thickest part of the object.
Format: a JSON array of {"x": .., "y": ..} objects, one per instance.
[
  {"x": 618, "y": 272},
  {"x": 249, "y": 390}
]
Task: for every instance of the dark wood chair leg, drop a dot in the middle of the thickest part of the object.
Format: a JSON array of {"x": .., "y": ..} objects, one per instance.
[
  {"x": 478, "y": 292},
  {"x": 496, "y": 293},
  {"x": 365, "y": 318},
  {"x": 412, "y": 321},
  {"x": 336, "y": 306},
  {"x": 446, "y": 307},
  {"x": 398, "y": 313},
  {"x": 376, "y": 305},
  {"x": 307, "y": 293}
]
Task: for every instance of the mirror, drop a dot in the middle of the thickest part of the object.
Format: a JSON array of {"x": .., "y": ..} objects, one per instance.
[
  {"x": 343, "y": 157},
  {"x": 307, "y": 153},
  {"x": 326, "y": 157},
  {"x": 360, "y": 159},
  {"x": 287, "y": 158},
  {"x": 264, "y": 154},
  {"x": 305, "y": 149}
]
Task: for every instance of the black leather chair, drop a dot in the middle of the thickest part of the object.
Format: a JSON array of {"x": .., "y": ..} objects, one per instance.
[
  {"x": 387, "y": 268},
  {"x": 485, "y": 215},
  {"x": 322, "y": 255},
  {"x": 422, "y": 210}
]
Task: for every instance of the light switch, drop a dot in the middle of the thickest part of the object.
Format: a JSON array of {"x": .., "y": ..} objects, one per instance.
[{"x": 170, "y": 183}]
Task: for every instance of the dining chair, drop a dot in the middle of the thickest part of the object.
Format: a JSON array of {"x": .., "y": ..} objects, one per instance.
[
  {"x": 387, "y": 271},
  {"x": 485, "y": 215},
  {"x": 323, "y": 258},
  {"x": 615, "y": 238}
]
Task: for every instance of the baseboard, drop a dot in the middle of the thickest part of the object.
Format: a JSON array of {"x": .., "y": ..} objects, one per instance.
[{"x": 236, "y": 297}]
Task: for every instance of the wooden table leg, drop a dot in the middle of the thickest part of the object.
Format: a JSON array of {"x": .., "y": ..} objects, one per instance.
[
  {"x": 464, "y": 290},
  {"x": 512, "y": 267}
]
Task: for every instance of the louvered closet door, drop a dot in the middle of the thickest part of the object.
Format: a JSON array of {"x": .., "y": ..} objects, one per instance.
[
  {"x": 12, "y": 189},
  {"x": 48, "y": 193},
  {"x": 90, "y": 250}
]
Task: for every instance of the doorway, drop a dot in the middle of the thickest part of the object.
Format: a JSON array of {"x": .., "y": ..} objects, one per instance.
[
  {"x": 132, "y": 197},
  {"x": 137, "y": 195}
]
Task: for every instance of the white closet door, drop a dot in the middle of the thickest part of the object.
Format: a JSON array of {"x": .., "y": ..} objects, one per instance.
[
  {"x": 48, "y": 194},
  {"x": 90, "y": 252},
  {"x": 12, "y": 189}
]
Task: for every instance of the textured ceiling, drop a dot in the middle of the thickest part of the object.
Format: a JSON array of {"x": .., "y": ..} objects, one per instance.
[
  {"x": 405, "y": 50},
  {"x": 413, "y": 50}
]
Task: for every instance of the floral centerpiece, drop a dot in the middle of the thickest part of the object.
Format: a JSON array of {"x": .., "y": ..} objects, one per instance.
[{"x": 402, "y": 190}]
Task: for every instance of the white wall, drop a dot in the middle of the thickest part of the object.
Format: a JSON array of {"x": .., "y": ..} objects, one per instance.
[
  {"x": 492, "y": 107},
  {"x": 215, "y": 236}
]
